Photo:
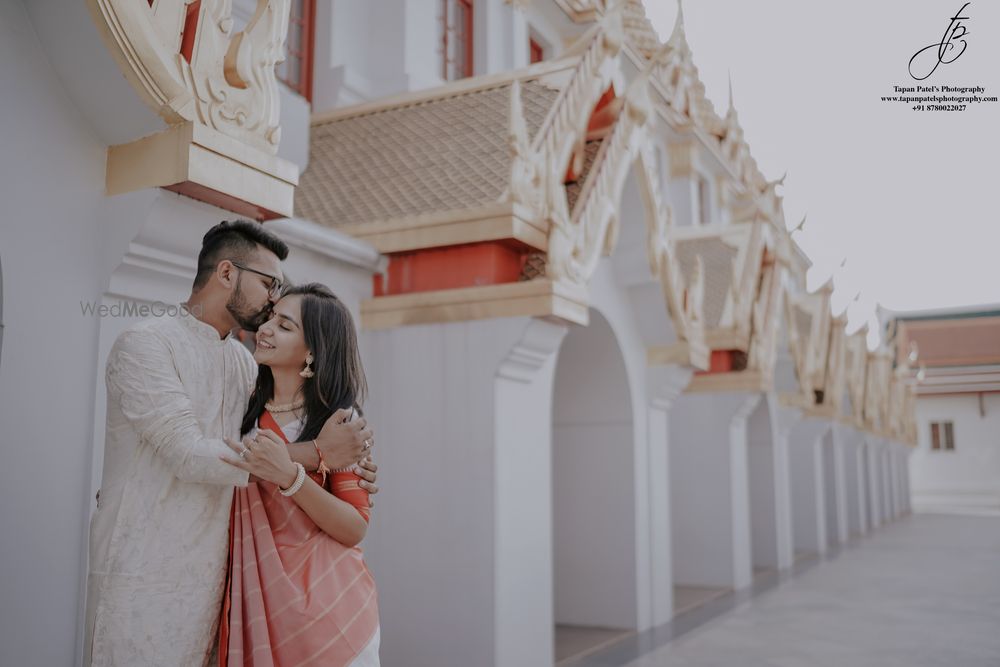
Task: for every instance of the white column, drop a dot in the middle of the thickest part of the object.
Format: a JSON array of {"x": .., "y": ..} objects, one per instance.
[
  {"x": 846, "y": 438},
  {"x": 838, "y": 496},
  {"x": 665, "y": 384},
  {"x": 887, "y": 480},
  {"x": 709, "y": 494},
  {"x": 462, "y": 548},
  {"x": 875, "y": 514},
  {"x": 522, "y": 554},
  {"x": 807, "y": 482}
]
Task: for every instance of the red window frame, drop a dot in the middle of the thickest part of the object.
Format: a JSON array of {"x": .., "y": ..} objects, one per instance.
[
  {"x": 302, "y": 54},
  {"x": 536, "y": 51},
  {"x": 465, "y": 37}
]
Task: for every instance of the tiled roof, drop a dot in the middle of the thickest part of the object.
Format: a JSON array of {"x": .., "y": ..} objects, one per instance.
[
  {"x": 717, "y": 257},
  {"x": 429, "y": 156},
  {"x": 952, "y": 342}
]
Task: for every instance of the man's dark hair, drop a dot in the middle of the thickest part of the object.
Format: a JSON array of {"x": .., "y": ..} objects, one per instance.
[{"x": 235, "y": 240}]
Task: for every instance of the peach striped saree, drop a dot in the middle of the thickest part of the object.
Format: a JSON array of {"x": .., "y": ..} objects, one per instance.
[{"x": 295, "y": 596}]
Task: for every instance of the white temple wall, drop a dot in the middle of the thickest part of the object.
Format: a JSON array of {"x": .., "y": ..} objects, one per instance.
[
  {"x": 501, "y": 37},
  {"x": 593, "y": 461},
  {"x": 874, "y": 452},
  {"x": 351, "y": 67},
  {"x": 644, "y": 524},
  {"x": 52, "y": 170},
  {"x": 71, "y": 102},
  {"x": 460, "y": 543},
  {"x": 853, "y": 502},
  {"x": 763, "y": 468},
  {"x": 709, "y": 489},
  {"x": 886, "y": 481},
  {"x": 833, "y": 473},
  {"x": 808, "y": 494},
  {"x": 969, "y": 475},
  {"x": 864, "y": 484}
]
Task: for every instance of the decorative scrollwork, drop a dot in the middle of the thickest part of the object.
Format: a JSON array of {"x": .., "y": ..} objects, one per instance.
[{"x": 185, "y": 62}]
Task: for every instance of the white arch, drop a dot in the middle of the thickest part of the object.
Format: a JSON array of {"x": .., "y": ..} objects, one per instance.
[{"x": 593, "y": 482}]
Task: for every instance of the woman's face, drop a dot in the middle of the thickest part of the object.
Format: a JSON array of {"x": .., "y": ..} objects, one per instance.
[{"x": 280, "y": 341}]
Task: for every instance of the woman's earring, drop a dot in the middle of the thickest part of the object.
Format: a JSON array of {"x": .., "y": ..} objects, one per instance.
[{"x": 307, "y": 372}]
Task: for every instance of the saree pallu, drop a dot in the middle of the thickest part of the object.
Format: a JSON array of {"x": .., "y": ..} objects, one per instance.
[{"x": 295, "y": 596}]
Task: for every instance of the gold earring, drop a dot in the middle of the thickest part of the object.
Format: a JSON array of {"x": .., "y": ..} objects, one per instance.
[{"x": 307, "y": 372}]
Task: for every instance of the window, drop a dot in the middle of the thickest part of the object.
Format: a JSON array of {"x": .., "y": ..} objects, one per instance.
[
  {"x": 297, "y": 69},
  {"x": 943, "y": 435},
  {"x": 704, "y": 201},
  {"x": 456, "y": 39},
  {"x": 537, "y": 51}
]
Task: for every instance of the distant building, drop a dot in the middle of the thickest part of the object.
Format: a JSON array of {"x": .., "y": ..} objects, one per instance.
[{"x": 957, "y": 461}]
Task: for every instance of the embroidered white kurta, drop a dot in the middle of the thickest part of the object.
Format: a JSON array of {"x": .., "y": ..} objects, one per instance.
[{"x": 159, "y": 538}]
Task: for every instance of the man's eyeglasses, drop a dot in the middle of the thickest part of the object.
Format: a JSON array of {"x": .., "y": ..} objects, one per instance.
[{"x": 273, "y": 289}]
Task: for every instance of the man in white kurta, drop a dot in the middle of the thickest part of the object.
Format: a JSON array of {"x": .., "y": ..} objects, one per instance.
[{"x": 159, "y": 539}]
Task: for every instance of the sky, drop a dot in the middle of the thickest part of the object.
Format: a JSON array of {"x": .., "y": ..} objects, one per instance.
[{"x": 909, "y": 197}]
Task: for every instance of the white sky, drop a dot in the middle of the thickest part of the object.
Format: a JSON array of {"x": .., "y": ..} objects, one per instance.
[{"x": 909, "y": 197}]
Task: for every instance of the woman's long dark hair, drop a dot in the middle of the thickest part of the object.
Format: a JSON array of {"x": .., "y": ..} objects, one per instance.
[{"x": 338, "y": 380}]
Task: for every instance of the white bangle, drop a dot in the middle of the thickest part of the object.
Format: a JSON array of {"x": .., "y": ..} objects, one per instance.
[{"x": 300, "y": 477}]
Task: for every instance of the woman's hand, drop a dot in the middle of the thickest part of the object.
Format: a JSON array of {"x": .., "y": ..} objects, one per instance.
[{"x": 265, "y": 456}]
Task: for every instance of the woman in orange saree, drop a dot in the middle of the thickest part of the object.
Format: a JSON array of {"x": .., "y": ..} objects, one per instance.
[{"x": 299, "y": 592}]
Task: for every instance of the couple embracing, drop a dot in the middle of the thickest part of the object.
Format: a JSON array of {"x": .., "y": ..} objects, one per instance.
[{"x": 236, "y": 487}]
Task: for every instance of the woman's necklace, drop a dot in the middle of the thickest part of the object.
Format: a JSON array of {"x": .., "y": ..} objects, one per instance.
[{"x": 287, "y": 407}]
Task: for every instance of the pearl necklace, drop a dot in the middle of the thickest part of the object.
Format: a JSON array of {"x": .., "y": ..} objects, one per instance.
[{"x": 288, "y": 407}]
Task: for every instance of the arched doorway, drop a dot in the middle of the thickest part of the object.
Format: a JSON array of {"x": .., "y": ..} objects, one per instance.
[{"x": 593, "y": 492}]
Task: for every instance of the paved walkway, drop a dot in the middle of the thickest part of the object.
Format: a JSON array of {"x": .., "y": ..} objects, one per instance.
[{"x": 922, "y": 591}]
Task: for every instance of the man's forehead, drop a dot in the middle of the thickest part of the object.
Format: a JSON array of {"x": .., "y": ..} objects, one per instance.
[{"x": 265, "y": 260}]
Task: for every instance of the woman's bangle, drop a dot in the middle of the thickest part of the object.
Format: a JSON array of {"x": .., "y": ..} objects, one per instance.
[
  {"x": 322, "y": 468},
  {"x": 300, "y": 477}
]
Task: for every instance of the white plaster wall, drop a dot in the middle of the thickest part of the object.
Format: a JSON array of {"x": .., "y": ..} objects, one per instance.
[
  {"x": 649, "y": 478},
  {"x": 352, "y": 66},
  {"x": 864, "y": 484},
  {"x": 807, "y": 487},
  {"x": 762, "y": 481},
  {"x": 551, "y": 24},
  {"x": 523, "y": 576},
  {"x": 831, "y": 502},
  {"x": 709, "y": 494},
  {"x": 593, "y": 472},
  {"x": 874, "y": 495},
  {"x": 51, "y": 183},
  {"x": 969, "y": 475},
  {"x": 465, "y": 507}
]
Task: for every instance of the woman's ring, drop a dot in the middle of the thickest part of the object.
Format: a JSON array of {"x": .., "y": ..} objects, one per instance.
[{"x": 243, "y": 454}]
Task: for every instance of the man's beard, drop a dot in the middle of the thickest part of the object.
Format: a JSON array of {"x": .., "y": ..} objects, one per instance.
[{"x": 246, "y": 316}]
